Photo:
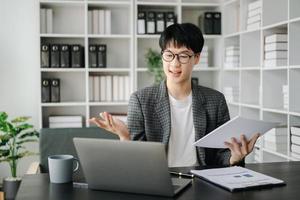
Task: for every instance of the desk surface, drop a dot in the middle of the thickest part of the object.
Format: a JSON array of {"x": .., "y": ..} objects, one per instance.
[{"x": 36, "y": 187}]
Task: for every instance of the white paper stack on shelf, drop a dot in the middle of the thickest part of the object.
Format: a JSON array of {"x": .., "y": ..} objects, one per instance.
[
  {"x": 109, "y": 88},
  {"x": 231, "y": 94},
  {"x": 285, "y": 89},
  {"x": 276, "y": 140},
  {"x": 46, "y": 20},
  {"x": 99, "y": 21},
  {"x": 203, "y": 58},
  {"x": 295, "y": 140},
  {"x": 276, "y": 50},
  {"x": 232, "y": 57},
  {"x": 65, "y": 121},
  {"x": 254, "y": 15}
]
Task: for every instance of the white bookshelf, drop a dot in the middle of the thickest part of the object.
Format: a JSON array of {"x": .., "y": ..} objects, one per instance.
[{"x": 261, "y": 95}]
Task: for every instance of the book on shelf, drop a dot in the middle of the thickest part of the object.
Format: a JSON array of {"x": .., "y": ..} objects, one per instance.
[
  {"x": 127, "y": 87},
  {"x": 108, "y": 88},
  {"x": 276, "y": 38},
  {"x": 65, "y": 118},
  {"x": 43, "y": 21},
  {"x": 232, "y": 59},
  {"x": 103, "y": 89},
  {"x": 121, "y": 88},
  {"x": 95, "y": 23},
  {"x": 93, "y": 56},
  {"x": 45, "y": 55},
  {"x": 216, "y": 23},
  {"x": 208, "y": 23},
  {"x": 255, "y": 5},
  {"x": 170, "y": 18},
  {"x": 65, "y": 56},
  {"x": 91, "y": 88},
  {"x": 101, "y": 55},
  {"x": 101, "y": 19},
  {"x": 65, "y": 125},
  {"x": 276, "y": 55},
  {"x": 90, "y": 22},
  {"x": 46, "y": 91},
  {"x": 295, "y": 139},
  {"x": 253, "y": 19},
  {"x": 160, "y": 22},
  {"x": 253, "y": 26},
  {"x": 108, "y": 22},
  {"x": 295, "y": 148},
  {"x": 54, "y": 56},
  {"x": 253, "y": 12},
  {"x": 115, "y": 88},
  {"x": 55, "y": 90},
  {"x": 276, "y": 46},
  {"x": 141, "y": 22},
  {"x": 275, "y": 62},
  {"x": 232, "y": 52},
  {"x": 49, "y": 19},
  {"x": 150, "y": 22},
  {"x": 96, "y": 88},
  {"x": 295, "y": 130},
  {"x": 77, "y": 58}
]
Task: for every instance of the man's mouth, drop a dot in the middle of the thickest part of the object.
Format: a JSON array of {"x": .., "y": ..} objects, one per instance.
[{"x": 176, "y": 73}]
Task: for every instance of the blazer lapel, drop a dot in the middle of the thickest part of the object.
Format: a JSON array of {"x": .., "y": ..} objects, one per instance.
[{"x": 163, "y": 112}]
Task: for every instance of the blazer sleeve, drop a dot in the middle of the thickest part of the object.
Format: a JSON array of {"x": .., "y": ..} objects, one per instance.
[
  {"x": 135, "y": 119},
  {"x": 223, "y": 155}
]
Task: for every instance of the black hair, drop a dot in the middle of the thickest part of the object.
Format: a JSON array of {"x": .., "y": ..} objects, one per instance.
[{"x": 186, "y": 34}]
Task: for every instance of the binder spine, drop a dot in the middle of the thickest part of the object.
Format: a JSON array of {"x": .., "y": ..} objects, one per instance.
[
  {"x": 45, "y": 90},
  {"x": 65, "y": 56},
  {"x": 54, "y": 56},
  {"x": 93, "y": 56},
  {"x": 101, "y": 55},
  {"x": 45, "y": 56},
  {"x": 55, "y": 90},
  {"x": 77, "y": 56}
]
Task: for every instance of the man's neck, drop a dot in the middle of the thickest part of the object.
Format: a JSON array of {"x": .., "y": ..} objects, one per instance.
[{"x": 179, "y": 90}]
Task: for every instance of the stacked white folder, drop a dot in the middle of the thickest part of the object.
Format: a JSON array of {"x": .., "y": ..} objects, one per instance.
[
  {"x": 109, "y": 88},
  {"x": 231, "y": 94},
  {"x": 232, "y": 57},
  {"x": 285, "y": 89},
  {"x": 99, "y": 21},
  {"x": 46, "y": 20},
  {"x": 65, "y": 121},
  {"x": 203, "y": 57},
  {"x": 295, "y": 140},
  {"x": 254, "y": 15},
  {"x": 276, "y": 47},
  {"x": 276, "y": 140}
]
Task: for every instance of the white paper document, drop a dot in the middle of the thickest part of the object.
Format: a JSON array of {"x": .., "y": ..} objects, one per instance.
[
  {"x": 236, "y": 178},
  {"x": 234, "y": 128}
]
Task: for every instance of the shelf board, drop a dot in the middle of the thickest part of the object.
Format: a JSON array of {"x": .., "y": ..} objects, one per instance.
[
  {"x": 59, "y": 2},
  {"x": 274, "y": 68},
  {"x": 294, "y": 67},
  {"x": 233, "y": 103},
  {"x": 274, "y": 110},
  {"x": 247, "y": 105},
  {"x": 108, "y": 69},
  {"x": 63, "y": 104},
  {"x": 148, "y": 36},
  {"x": 250, "y": 68},
  {"x": 295, "y": 113},
  {"x": 108, "y": 103},
  {"x": 232, "y": 35},
  {"x": 297, "y": 19},
  {"x": 139, "y": 69},
  {"x": 211, "y": 68},
  {"x": 110, "y": 3},
  {"x": 114, "y": 36},
  {"x": 276, "y": 25},
  {"x": 212, "y": 36},
  {"x": 187, "y": 4},
  {"x": 232, "y": 69},
  {"x": 249, "y": 31},
  {"x": 229, "y": 2},
  {"x": 62, "y": 69},
  {"x": 58, "y": 35},
  {"x": 148, "y": 3}
]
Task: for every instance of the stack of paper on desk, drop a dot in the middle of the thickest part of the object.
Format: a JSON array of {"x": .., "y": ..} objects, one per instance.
[{"x": 236, "y": 178}]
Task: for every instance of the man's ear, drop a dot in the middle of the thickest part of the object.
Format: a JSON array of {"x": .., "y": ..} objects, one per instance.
[{"x": 197, "y": 58}]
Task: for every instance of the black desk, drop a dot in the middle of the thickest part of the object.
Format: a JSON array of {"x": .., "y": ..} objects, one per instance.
[{"x": 37, "y": 187}]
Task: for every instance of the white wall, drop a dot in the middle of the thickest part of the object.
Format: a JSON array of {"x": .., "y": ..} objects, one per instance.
[{"x": 19, "y": 64}]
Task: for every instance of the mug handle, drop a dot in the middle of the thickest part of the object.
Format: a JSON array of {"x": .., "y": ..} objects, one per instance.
[{"x": 77, "y": 164}]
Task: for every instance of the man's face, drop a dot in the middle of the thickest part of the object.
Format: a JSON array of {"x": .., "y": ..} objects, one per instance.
[{"x": 176, "y": 71}]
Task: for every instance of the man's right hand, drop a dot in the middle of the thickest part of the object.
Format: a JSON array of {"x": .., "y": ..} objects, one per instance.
[{"x": 111, "y": 124}]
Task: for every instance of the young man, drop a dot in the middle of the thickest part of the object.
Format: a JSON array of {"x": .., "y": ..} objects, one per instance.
[{"x": 176, "y": 112}]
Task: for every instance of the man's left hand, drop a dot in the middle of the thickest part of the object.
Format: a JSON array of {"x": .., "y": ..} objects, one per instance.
[{"x": 240, "y": 150}]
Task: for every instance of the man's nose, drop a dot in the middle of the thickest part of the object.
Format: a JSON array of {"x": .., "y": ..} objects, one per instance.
[{"x": 175, "y": 62}]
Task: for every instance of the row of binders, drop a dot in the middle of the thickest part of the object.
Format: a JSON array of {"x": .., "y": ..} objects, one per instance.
[
  {"x": 62, "y": 55},
  {"x": 109, "y": 88},
  {"x": 46, "y": 23},
  {"x": 99, "y": 21},
  {"x": 65, "y": 121},
  {"x": 232, "y": 57},
  {"x": 210, "y": 22},
  {"x": 254, "y": 15},
  {"x": 97, "y": 55},
  {"x": 276, "y": 46},
  {"x": 151, "y": 22},
  {"x": 50, "y": 90}
]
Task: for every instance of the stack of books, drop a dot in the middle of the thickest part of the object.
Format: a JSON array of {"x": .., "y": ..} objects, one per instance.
[
  {"x": 232, "y": 57},
  {"x": 46, "y": 23},
  {"x": 276, "y": 140},
  {"x": 254, "y": 15},
  {"x": 231, "y": 94},
  {"x": 65, "y": 121},
  {"x": 285, "y": 89},
  {"x": 99, "y": 21},
  {"x": 276, "y": 50},
  {"x": 204, "y": 57},
  {"x": 295, "y": 140},
  {"x": 109, "y": 88}
]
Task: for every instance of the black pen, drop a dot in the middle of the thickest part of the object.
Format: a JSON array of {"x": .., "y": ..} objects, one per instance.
[{"x": 182, "y": 174}]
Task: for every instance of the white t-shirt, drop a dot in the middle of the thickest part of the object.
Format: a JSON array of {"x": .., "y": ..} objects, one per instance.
[{"x": 181, "y": 152}]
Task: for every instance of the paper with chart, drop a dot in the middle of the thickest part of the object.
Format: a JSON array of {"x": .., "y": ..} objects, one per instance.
[
  {"x": 234, "y": 178},
  {"x": 234, "y": 128}
]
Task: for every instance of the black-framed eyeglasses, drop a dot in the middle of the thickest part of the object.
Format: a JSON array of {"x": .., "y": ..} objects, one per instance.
[{"x": 183, "y": 58}]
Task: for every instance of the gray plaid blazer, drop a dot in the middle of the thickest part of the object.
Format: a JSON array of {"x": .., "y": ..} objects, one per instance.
[{"x": 149, "y": 118}]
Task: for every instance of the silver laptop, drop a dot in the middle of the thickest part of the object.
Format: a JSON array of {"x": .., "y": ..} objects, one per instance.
[{"x": 131, "y": 166}]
